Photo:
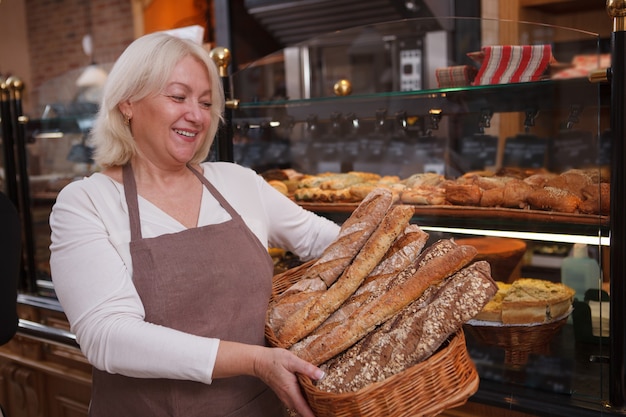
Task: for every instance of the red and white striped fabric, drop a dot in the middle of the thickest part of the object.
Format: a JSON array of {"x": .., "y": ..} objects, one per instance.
[{"x": 513, "y": 64}]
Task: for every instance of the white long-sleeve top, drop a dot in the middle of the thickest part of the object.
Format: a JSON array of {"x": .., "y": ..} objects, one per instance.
[{"x": 92, "y": 269}]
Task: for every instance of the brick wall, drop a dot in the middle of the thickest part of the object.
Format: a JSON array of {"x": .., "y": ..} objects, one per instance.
[{"x": 55, "y": 32}]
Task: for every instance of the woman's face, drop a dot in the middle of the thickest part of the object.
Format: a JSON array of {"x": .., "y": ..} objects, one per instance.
[{"x": 169, "y": 127}]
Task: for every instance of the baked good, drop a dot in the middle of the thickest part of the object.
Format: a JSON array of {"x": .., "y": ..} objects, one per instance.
[
  {"x": 596, "y": 199},
  {"x": 274, "y": 175},
  {"x": 319, "y": 308},
  {"x": 437, "y": 262},
  {"x": 515, "y": 194},
  {"x": 359, "y": 191},
  {"x": 521, "y": 173},
  {"x": 492, "y": 311},
  {"x": 573, "y": 181},
  {"x": 493, "y": 197},
  {"x": 320, "y": 195},
  {"x": 289, "y": 304},
  {"x": 528, "y": 301},
  {"x": 353, "y": 234},
  {"x": 554, "y": 199},
  {"x": 462, "y": 194},
  {"x": 424, "y": 195},
  {"x": 336, "y": 257},
  {"x": 424, "y": 178},
  {"x": 485, "y": 181},
  {"x": 413, "y": 334},
  {"x": 531, "y": 300},
  {"x": 539, "y": 179},
  {"x": 280, "y": 186},
  {"x": 403, "y": 253}
]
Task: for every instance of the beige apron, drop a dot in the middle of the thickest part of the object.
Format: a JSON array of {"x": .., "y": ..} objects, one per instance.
[{"x": 212, "y": 281}]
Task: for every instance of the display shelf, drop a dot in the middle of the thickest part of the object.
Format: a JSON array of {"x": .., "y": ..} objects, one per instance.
[
  {"x": 547, "y": 95},
  {"x": 501, "y": 219}
]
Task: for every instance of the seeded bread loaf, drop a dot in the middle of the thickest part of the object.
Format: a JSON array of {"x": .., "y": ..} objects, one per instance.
[
  {"x": 413, "y": 334},
  {"x": 437, "y": 262}
]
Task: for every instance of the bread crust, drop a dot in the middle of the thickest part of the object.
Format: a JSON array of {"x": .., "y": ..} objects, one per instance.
[
  {"x": 319, "y": 308},
  {"x": 400, "y": 256},
  {"x": 353, "y": 234},
  {"x": 413, "y": 334},
  {"x": 435, "y": 263},
  {"x": 552, "y": 198},
  {"x": 424, "y": 195},
  {"x": 463, "y": 194}
]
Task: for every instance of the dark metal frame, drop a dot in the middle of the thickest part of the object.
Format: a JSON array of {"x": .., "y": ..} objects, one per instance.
[
  {"x": 617, "y": 348},
  {"x": 16, "y": 172}
]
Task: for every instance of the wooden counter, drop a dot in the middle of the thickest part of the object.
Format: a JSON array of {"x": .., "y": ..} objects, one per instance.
[{"x": 43, "y": 378}]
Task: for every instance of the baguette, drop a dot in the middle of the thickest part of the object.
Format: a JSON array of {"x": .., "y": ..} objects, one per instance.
[
  {"x": 401, "y": 255},
  {"x": 437, "y": 262},
  {"x": 289, "y": 305},
  {"x": 318, "y": 309},
  {"x": 413, "y": 334},
  {"x": 353, "y": 234}
]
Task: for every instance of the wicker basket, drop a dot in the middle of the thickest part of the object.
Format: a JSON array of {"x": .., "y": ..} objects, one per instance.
[
  {"x": 445, "y": 380},
  {"x": 518, "y": 342}
]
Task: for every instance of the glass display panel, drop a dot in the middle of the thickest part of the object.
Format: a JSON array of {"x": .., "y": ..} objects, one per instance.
[{"x": 460, "y": 99}]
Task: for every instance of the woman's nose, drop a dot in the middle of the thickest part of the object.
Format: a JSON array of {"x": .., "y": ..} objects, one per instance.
[{"x": 194, "y": 112}]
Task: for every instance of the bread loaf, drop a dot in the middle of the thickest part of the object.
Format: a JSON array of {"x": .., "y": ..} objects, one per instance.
[
  {"x": 401, "y": 255},
  {"x": 463, "y": 194},
  {"x": 515, "y": 194},
  {"x": 597, "y": 199},
  {"x": 413, "y": 334},
  {"x": 435, "y": 263},
  {"x": 353, "y": 234},
  {"x": 556, "y": 199},
  {"x": 289, "y": 305},
  {"x": 319, "y": 308}
]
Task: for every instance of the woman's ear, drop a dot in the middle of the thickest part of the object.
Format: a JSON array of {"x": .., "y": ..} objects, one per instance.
[{"x": 126, "y": 109}]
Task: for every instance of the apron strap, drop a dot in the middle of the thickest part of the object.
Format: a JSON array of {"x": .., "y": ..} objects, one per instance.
[
  {"x": 130, "y": 192},
  {"x": 216, "y": 194}
]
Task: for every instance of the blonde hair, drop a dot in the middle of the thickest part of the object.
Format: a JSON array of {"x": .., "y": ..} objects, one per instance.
[{"x": 142, "y": 70}]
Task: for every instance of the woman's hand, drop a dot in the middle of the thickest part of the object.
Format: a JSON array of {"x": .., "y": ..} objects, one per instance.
[
  {"x": 277, "y": 368},
  {"x": 274, "y": 366}
]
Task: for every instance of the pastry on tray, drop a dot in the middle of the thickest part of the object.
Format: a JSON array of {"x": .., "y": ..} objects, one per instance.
[{"x": 528, "y": 301}]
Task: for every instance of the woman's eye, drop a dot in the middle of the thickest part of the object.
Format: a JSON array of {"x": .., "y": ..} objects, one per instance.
[
  {"x": 177, "y": 98},
  {"x": 206, "y": 105}
]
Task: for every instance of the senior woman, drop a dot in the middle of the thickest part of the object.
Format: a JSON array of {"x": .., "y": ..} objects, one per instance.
[{"x": 160, "y": 259}]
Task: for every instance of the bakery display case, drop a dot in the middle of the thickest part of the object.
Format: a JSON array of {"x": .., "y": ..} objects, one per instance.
[
  {"x": 444, "y": 111},
  {"x": 498, "y": 133}
]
